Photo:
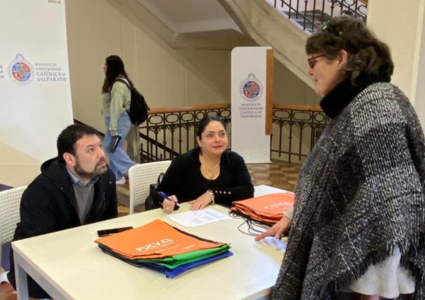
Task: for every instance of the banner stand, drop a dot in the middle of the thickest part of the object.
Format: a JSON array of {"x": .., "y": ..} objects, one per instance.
[{"x": 252, "y": 102}]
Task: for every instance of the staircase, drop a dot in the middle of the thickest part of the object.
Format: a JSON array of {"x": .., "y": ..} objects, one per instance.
[
  {"x": 286, "y": 27},
  {"x": 308, "y": 20},
  {"x": 225, "y": 24},
  {"x": 189, "y": 24},
  {"x": 311, "y": 14},
  {"x": 267, "y": 27}
]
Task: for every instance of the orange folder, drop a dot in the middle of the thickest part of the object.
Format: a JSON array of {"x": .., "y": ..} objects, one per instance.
[
  {"x": 268, "y": 208},
  {"x": 156, "y": 239}
]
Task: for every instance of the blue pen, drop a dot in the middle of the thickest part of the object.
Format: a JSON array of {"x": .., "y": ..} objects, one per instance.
[{"x": 165, "y": 196}]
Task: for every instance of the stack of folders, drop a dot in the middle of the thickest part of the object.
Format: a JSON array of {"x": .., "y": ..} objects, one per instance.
[
  {"x": 163, "y": 248},
  {"x": 267, "y": 209}
]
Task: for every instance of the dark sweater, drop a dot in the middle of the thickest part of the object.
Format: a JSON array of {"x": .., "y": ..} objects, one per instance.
[{"x": 184, "y": 179}]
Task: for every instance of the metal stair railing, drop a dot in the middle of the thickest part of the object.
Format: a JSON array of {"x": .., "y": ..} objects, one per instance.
[
  {"x": 310, "y": 14},
  {"x": 169, "y": 132}
]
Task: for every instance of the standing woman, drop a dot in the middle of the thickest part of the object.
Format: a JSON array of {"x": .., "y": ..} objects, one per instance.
[
  {"x": 358, "y": 229},
  {"x": 116, "y": 101}
]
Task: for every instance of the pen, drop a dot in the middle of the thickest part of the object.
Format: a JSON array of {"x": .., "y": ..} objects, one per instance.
[{"x": 165, "y": 196}]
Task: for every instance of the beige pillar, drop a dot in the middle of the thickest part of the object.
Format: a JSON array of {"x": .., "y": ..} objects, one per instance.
[{"x": 400, "y": 24}]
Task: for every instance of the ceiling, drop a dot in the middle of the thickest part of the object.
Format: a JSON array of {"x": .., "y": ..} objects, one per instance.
[{"x": 184, "y": 16}]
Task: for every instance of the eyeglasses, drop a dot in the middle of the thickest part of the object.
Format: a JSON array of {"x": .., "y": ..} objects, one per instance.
[{"x": 312, "y": 62}]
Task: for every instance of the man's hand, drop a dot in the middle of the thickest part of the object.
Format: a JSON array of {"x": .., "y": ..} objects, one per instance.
[{"x": 277, "y": 229}]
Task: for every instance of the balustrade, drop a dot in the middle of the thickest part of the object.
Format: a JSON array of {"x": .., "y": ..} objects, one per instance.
[
  {"x": 172, "y": 131},
  {"x": 309, "y": 14}
]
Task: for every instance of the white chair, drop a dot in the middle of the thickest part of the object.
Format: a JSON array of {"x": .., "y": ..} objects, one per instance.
[
  {"x": 10, "y": 201},
  {"x": 140, "y": 177}
]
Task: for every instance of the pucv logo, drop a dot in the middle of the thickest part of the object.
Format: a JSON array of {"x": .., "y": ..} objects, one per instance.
[
  {"x": 251, "y": 88},
  {"x": 154, "y": 245},
  {"x": 20, "y": 70}
]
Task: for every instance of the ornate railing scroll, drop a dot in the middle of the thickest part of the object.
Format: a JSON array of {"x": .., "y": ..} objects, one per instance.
[
  {"x": 172, "y": 131},
  {"x": 309, "y": 14},
  {"x": 296, "y": 129}
]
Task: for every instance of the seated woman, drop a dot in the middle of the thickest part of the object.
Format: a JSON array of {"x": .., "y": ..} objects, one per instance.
[{"x": 207, "y": 174}]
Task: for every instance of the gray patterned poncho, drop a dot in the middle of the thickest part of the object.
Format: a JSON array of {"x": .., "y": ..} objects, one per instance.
[{"x": 359, "y": 195}]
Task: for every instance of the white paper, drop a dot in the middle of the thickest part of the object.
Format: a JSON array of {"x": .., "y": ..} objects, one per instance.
[{"x": 198, "y": 217}]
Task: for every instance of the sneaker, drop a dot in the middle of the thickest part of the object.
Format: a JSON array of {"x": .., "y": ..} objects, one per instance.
[
  {"x": 3, "y": 276},
  {"x": 121, "y": 180}
]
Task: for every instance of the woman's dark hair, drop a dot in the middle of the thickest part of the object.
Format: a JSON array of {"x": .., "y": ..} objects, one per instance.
[
  {"x": 369, "y": 59},
  {"x": 115, "y": 67},
  {"x": 204, "y": 122}
]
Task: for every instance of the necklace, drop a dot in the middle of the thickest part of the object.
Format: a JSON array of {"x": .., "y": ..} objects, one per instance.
[{"x": 206, "y": 165}]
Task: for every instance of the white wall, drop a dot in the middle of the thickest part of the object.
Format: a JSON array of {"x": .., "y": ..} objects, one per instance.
[
  {"x": 402, "y": 30},
  {"x": 166, "y": 76},
  {"x": 289, "y": 89}
]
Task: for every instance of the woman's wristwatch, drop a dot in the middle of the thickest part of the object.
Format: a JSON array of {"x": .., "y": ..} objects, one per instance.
[{"x": 212, "y": 196}]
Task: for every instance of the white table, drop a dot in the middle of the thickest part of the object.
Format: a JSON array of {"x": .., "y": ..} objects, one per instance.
[{"x": 69, "y": 265}]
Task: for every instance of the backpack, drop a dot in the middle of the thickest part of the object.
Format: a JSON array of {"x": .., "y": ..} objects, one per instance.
[{"x": 138, "y": 111}]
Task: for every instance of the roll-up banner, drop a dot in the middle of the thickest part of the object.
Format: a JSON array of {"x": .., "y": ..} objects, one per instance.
[
  {"x": 252, "y": 77},
  {"x": 35, "y": 95}
]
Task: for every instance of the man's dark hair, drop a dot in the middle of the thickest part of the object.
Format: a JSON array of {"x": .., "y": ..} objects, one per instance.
[{"x": 69, "y": 137}]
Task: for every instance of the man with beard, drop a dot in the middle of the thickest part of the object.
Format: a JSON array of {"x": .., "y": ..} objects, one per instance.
[{"x": 73, "y": 189}]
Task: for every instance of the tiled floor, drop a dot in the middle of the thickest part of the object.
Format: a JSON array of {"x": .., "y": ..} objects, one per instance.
[{"x": 278, "y": 174}]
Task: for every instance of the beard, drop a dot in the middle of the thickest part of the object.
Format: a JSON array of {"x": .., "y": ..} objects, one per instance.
[{"x": 98, "y": 170}]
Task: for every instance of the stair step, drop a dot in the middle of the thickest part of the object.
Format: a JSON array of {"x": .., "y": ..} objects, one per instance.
[{"x": 319, "y": 16}]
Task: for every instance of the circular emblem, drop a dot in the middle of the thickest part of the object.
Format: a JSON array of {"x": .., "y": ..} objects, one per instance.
[
  {"x": 251, "y": 88},
  {"x": 20, "y": 70}
]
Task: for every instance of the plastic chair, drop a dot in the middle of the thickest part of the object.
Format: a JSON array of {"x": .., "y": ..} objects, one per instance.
[
  {"x": 140, "y": 177},
  {"x": 9, "y": 214}
]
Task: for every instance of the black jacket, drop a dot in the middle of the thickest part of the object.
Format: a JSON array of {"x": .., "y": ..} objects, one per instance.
[{"x": 49, "y": 205}]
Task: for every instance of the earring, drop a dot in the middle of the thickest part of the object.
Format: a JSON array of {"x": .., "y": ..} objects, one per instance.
[{"x": 339, "y": 67}]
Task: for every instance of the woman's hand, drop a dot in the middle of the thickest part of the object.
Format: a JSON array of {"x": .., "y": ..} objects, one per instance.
[
  {"x": 201, "y": 202},
  {"x": 277, "y": 229},
  {"x": 168, "y": 206}
]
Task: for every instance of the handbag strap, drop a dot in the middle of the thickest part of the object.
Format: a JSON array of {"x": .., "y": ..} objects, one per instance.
[{"x": 160, "y": 176}]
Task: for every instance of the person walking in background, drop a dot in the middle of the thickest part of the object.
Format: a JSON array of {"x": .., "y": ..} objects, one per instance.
[
  {"x": 116, "y": 102},
  {"x": 358, "y": 228}
]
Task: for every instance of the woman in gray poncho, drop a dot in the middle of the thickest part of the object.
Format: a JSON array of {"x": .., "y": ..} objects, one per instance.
[{"x": 358, "y": 224}]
